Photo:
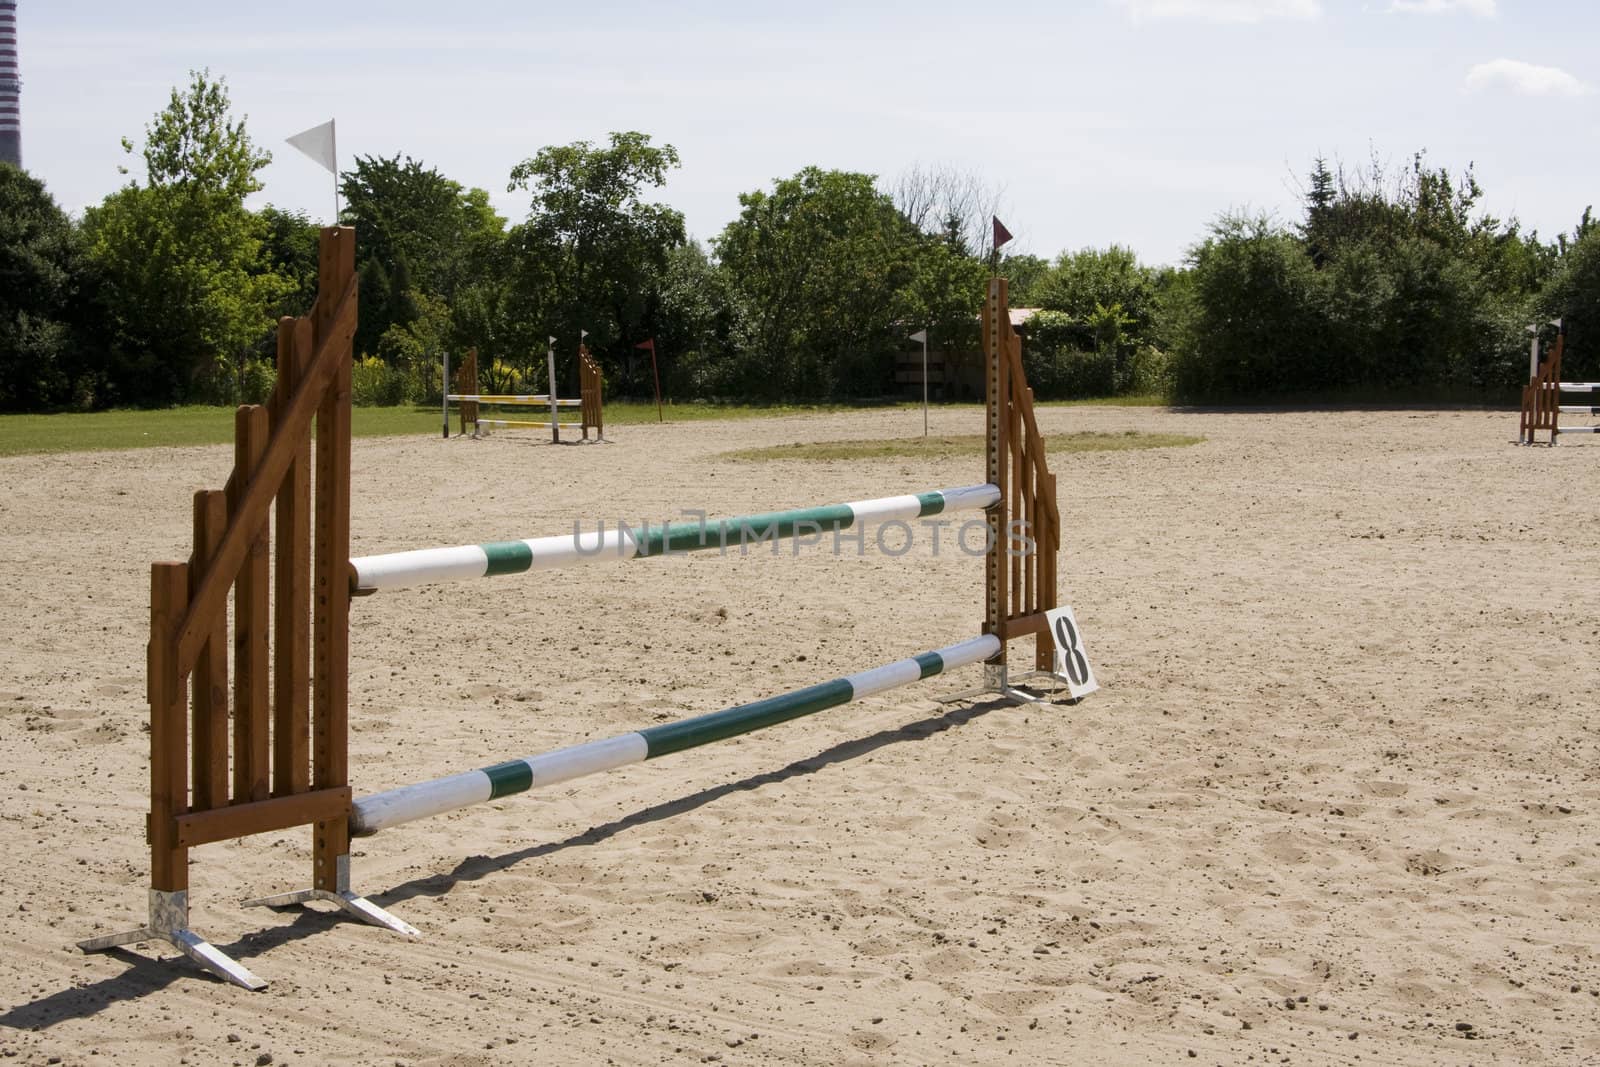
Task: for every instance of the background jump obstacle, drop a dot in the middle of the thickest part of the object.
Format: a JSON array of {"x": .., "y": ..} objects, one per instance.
[
  {"x": 1541, "y": 398},
  {"x": 288, "y": 755},
  {"x": 589, "y": 402}
]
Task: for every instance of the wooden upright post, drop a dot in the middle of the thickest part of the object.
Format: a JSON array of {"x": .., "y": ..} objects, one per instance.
[
  {"x": 590, "y": 383},
  {"x": 291, "y": 684},
  {"x": 210, "y": 677},
  {"x": 996, "y": 324},
  {"x": 467, "y": 384},
  {"x": 252, "y": 673},
  {"x": 1020, "y": 570},
  {"x": 331, "y": 567},
  {"x": 169, "y": 780}
]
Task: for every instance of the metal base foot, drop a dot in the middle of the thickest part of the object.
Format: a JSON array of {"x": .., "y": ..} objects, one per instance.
[
  {"x": 169, "y": 922},
  {"x": 348, "y": 902},
  {"x": 1056, "y": 678},
  {"x": 996, "y": 684}
]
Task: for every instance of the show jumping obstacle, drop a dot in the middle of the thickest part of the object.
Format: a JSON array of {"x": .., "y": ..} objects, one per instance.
[
  {"x": 288, "y": 755},
  {"x": 591, "y": 413},
  {"x": 1541, "y": 398}
]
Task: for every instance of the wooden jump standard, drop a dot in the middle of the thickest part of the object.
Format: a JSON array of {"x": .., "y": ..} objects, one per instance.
[
  {"x": 288, "y": 755},
  {"x": 1541, "y": 397},
  {"x": 591, "y": 408}
]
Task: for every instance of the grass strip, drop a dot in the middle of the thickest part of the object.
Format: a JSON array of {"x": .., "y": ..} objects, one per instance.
[{"x": 936, "y": 448}]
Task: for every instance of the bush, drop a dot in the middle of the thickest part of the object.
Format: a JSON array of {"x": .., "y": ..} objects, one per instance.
[
  {"x": 1070, "y": 373},
  {"x": 1252, "y": 326},
  {"x": 501, "y": 377},
  {"x": 422, "y": 384},
  {"x": 1574, "y": 295},
  {"x": 373, "y": 383},
  {"x": 1149, "y": 372},
  {"x": 1086, "y": 374},
  {"x": 260, "y": 377},
  {"x": 705, "y": 375}
]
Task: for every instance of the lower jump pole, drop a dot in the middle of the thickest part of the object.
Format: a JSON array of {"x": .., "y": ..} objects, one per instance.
[
  {"x": 408, "y": 803},
  {"x": 508, "y": 424}
]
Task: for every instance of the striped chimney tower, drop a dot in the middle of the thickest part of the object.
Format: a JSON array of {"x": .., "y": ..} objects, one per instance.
[{"x": 10, "y": 87}]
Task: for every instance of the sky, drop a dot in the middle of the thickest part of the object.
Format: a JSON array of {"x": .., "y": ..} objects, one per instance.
[{"x": 1135, "y": 122}]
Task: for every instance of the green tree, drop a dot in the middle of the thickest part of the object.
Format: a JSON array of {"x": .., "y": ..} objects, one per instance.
[
  {"x": 693, "y": 324},
  {"x": 1419, "y": 290},
  {"x": 1087, "y": 283},
  {"x": 594, "y": 245},
  {"x": 1023, "y": 274},
  {"x": 945, "y": 294},
  {"x": 1109, "y": 302},
  {"x": 1574, "y": 296},
  {"x": 194, "y": 145},
  {"x": 290, "y": 248},
  {"x": 819, "y": 266},
  {"x": 417, "y": 229},
  {"x": 407, "y": 213},
  {"x": 1321, "y": 195},
  {"x": 185, "y": 280},
  {"x": 1057, "y": 363},
  {"x": 415, "y": 348},
  {"x": 41, "y": 301},
  {"x": 1253, "y": 314}
]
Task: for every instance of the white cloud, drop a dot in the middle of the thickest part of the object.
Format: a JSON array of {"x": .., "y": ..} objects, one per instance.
[
  {"x": 1482, "y": 8},
  {"x": 1524, "y": 79},
  {"x": 1222, "y": 10}
]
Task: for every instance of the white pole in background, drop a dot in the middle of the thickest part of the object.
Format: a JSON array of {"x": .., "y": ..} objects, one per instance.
[
  {"x": 922, "y": 335},
  {"x": 550, "y": 361},
  {"x": 445, "y": 403}
]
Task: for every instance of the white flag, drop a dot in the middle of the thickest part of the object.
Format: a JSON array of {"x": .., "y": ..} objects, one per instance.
[
  {"x": 920, "y": 335},
  {"x": 317, "y": 142},
  {"x": 552, "y": 341}
]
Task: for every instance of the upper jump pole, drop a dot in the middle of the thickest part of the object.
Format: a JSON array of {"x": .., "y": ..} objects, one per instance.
[{"x": 395, "y": 570}]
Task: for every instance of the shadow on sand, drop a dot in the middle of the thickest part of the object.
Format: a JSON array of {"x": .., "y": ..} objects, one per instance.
[{"x": 146, "y": 975}]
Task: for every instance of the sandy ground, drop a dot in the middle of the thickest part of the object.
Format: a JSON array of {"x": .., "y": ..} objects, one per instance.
[{"x": 1336, "y": 802}]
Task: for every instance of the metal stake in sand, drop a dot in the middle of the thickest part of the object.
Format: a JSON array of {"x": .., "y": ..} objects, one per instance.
[
  {"x": 922, "y": 335},
  {"x": 550, "y": 362}
]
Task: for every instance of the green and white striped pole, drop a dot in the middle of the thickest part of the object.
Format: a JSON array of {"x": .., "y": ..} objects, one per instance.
[
  {"x": 398, "y": 569},
  {"x": 396, "y": 806}
]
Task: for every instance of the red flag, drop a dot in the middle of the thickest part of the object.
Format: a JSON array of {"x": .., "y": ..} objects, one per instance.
[
  {"x": 1001, "y": 234},
  {"x": 651, "y": 345}
]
